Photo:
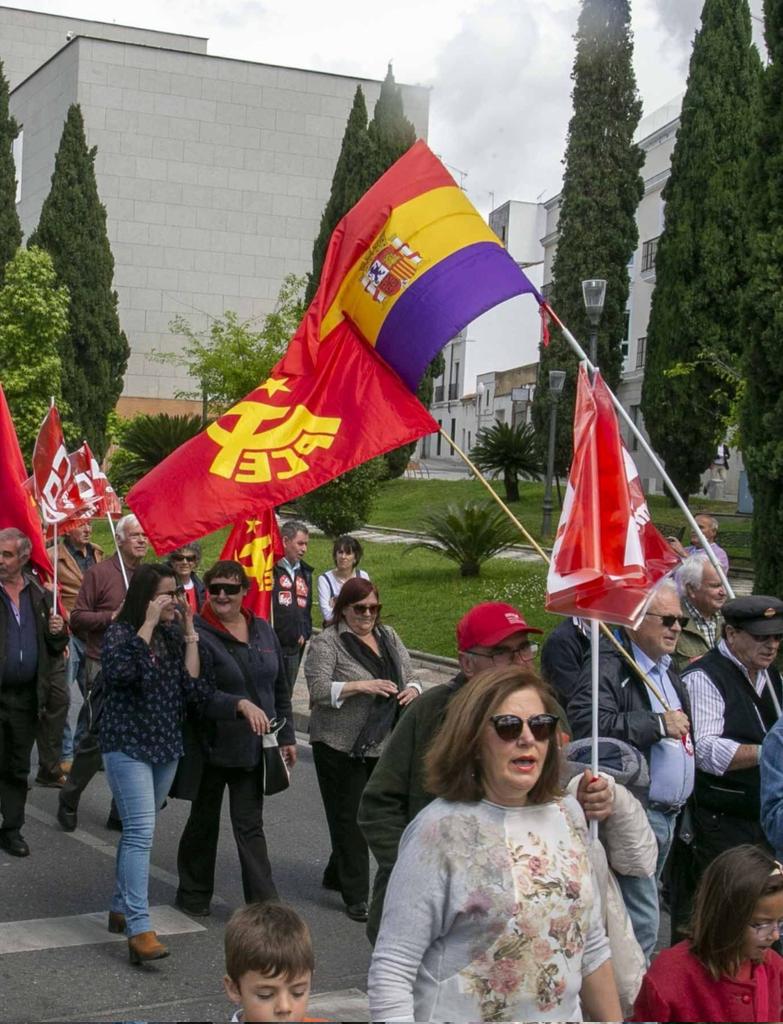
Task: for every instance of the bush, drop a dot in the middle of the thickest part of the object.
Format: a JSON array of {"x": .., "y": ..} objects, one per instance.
[
  {"x": 144, "y": 441},
  {"x": 469, "y": 535},
  {"x": 345, "y": 503}
]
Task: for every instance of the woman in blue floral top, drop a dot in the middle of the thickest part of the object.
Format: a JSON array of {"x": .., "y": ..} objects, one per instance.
[{"x": 151, "y": 669}]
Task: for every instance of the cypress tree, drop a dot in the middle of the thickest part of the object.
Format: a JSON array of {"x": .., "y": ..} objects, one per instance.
[
  {"x": 353, "y": 175},
  {"x": 72, "y": 228},
  {"x": 702, "y": 263},
  {"x": 391, "y": 133},
  {"x": 10, "y": 228},
  {"x": 601, "y": 191},
  {"x": 762, "y": 327}
]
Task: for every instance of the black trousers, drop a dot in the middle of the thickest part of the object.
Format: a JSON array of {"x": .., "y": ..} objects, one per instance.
[
  {"x": 49, "y": 735},
  {"x": 341, "y": 780},
  {"x": 198, "y": 845},
  {"x": 292, "y": 658},
  {"x": 18, "y": 721}
]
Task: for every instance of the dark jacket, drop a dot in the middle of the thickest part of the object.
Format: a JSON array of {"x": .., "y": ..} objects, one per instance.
[
  {"x": 101, "y": 594},
  {"x": 231, "y": 742},
  {"x": 562, "y": 657},
  {"x": 292, "y": 602},
  {"x": 50, "y": 648},
  {"x": 624, "y": 710}
]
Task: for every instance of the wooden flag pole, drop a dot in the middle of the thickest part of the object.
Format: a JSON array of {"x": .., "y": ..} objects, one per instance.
[{"x": 604, "y": 628}]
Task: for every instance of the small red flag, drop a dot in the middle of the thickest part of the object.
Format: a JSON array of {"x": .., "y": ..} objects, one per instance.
[
  {"x": 256, "y": 544},
  {"x": 17, "y": 508},
  {"x": 55, "y": 488},
  {"x": 607, "y": 555},
  {"x": 289, "y": 436}
]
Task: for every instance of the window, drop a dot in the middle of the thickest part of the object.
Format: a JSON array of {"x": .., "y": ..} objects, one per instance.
[
  {"x": 454, "y": 382},
  {"x": 468, "y": 440},
  {"x": 636, "y": 416},
  {"x": 641, "y": 352},
  {"x": 649, "y": 249},
  {"x": 17, "y": 156},
  {"x": 437, "y": 394},
  {"x": 452, "y": 433},
  {"x": 500, "y": 416}
]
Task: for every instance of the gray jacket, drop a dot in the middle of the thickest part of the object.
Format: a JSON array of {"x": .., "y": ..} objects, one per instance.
[{"x": 327, "y": 662}]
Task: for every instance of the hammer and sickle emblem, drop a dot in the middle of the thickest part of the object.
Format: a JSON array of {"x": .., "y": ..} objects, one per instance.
[
  {"x": 247, "y": 456},
  {"x": 258, "y": 558}
]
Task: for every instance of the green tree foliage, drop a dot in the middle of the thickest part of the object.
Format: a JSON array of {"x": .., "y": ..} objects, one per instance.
[
  {"x": 468, "y": 535},
  {"x": 232, "y": 357},
  {"x": 10, "y": 229},
  {"x": 33, "y": 319},
  {"x": 144, "y": 442},
  {"x": 72, "y": 228},
  {"x": 762, "y": 326},
  {"x": 702, "y": 264},
  {"x": 602, "y": 188},
  {"x": 345, "y": 503},
  {"x": 510, "y": 452},
  {"x": 391, "y": 133},
  {"x": 353, "y": 175}
]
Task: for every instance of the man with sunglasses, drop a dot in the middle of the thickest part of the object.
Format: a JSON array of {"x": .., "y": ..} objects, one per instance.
[
  {"x": 630, "y": 711},
  {"x": 736, "y": 695},
  {"x": 490, "y": 635}
]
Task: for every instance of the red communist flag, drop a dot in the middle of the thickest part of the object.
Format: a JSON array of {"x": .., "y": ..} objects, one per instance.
[
  {"x": 17, "y": 508},
  {"x": 256, "y": 544},
  {"x": 289, "y": 436},
  {"x": 607, "y": 555}
]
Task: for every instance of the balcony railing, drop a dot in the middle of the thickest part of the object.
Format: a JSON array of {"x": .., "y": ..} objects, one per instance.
[
  {"x": 438, "y": 393},
  {"x": 649, "y": 249}
]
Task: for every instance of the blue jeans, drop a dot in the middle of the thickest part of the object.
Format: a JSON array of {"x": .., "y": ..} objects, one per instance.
[
  {"x": 641, "y": 894},
  {"x": 75, "y": 681},
  {"x": 139, "y": 790}
]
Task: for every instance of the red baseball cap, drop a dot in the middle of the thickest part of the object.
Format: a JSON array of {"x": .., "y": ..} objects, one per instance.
[{"x": 489, "y": 623}]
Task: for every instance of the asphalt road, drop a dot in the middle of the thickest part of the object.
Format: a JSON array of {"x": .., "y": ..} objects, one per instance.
[{"x": 68, "y": 876}]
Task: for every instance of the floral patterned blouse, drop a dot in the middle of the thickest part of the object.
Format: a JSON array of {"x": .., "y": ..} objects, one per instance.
[
  {"x": 146, "y": 690},
  {"x": 490, "y": 915}
]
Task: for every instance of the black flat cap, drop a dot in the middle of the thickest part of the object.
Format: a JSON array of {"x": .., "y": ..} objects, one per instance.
[{"x": 759, "y": 614}]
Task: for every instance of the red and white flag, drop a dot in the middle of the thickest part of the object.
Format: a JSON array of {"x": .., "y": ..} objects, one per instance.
[
  {"x": 53, "y": 483},
  {"x": 256, "y": 544},
  {"x": 607, "y": 555},
  {"x": 93, "y": 484}
]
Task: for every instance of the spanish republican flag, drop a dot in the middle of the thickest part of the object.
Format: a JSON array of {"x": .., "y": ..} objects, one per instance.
[
  {"x": 256, "y": 544},
  {"x": 406, "y": 269}
]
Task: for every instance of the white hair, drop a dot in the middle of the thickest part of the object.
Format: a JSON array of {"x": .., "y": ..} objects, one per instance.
[
  {"x": 666, "y": 586},
  {"x": 24, "y": 545},
  {"x": 691, "y": 572},
  {"x": 125, "y": 524}
]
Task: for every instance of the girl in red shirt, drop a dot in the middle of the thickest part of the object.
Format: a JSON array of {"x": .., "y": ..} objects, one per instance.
[{"x": 727, "y": 970}]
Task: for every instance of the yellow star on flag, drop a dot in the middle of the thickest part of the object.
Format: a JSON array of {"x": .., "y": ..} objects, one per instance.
[{"x": 272, "y": 385}]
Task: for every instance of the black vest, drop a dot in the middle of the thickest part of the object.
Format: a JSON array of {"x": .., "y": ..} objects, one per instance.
[{"x": 747, "y": 719}]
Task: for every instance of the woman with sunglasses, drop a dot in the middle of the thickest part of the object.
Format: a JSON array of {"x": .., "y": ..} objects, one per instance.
[
  {"x": 727, "y": 970},
  {"x": 244, "y": 655},
  {"x": 151, "y": 671},
  {"x": 492, "y": 911},
  {"x": 359, "y": 675},
  {"x": 184, "y": 562}
]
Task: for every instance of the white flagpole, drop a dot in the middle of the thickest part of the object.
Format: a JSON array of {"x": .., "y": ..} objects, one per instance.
[
  {"x": 595, "y": 627},
  {"x": 114, "y": 537},
  {"x": 56, "y": 563},
  {"x": 579, "y": 351}
]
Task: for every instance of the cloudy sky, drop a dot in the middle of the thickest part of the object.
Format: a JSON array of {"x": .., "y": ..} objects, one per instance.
[{"x": 499, "y": 69}]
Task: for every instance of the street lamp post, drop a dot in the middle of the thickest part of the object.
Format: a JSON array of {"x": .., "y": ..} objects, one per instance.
[
  {"x": 556, "y": 384},
  {"x": 594, "y": 296}
]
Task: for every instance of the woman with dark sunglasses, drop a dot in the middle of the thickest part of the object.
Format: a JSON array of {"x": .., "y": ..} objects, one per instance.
[
  {"x": 184, "y": 561},
  {"x": 244, "y": 655},
  {"x": 359, "y": 675},
  {"x": 492, "y": 910}
]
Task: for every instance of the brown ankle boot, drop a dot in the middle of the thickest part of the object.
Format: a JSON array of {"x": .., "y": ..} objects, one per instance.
[
  {"x": 116, "y": 922},
  {"x": 145, "y": 946}
]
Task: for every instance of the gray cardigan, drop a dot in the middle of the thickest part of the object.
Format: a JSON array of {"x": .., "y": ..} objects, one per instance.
[{"x": 328, "y": 662}]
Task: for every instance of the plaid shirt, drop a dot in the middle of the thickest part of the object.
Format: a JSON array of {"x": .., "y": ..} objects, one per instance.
[{"x": 708, "y": 628}]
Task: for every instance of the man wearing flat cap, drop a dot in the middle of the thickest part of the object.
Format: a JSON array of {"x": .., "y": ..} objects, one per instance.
[{"x": 736, "y": 696}]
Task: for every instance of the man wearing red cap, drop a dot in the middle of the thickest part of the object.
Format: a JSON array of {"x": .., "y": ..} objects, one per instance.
[{"x": 490, "y": 635}]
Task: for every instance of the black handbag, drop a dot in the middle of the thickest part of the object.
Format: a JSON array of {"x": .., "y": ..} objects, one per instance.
[{"x": 276, "y": 774}]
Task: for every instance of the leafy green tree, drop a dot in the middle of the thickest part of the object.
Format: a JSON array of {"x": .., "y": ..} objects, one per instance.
[
  {"x": 345, "y": 503},
  {"x": 232, "y": 357},
  {"x": 33, "y": 319},
  {"x": 762, "y": 321},
  {"x": 144, "y": 441},
  {"x": 391, "y": 133},
  {"x": 703, "y": 264},
  {"x": 510, "y": 452},
  {"x": 10, "y": 228},
  {"x": 468, "y": 535},
  {"x": 601, "y": 191},
  {"x": 72, "y": 228}
]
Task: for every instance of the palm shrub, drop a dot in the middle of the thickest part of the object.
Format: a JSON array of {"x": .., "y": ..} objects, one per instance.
[
  {"x": 146, "y": 440},
  {"x": 467, "y": 535},
  {"x": 508, "y": 451}
]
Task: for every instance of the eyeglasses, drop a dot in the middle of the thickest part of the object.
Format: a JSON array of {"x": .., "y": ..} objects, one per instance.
[
  {"x": 669, "y": 620},
  {"x": 774, "y": 637},
  {"x": 184, "y": 558},
  {"x": 509, "y": 727},
  {"x": 224, "y": 588},
  {"x": 176, "y": 592},
  {"x": 366, "y": 609},
  {"x": 506, "y": 655},
  {"x": 768, "y": 929}
]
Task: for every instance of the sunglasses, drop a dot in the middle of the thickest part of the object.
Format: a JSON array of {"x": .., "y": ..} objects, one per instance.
[
  {"x": 184, "y": 558},
  {"x": 176, "y": 592},
  {"x": 224, "y": 588},
  {"x": 766, "y": 638},
  {"x": 509, "y": 727},
  {"x": 366, "y": 609},
  {"x": 669, "y": 620}
]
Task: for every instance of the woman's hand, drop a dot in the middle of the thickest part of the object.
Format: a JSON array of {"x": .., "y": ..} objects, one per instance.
[
  {"x": 378, "y": 687},
  {"x": 256, "y": 718},
  {"x": 404, "y": 697},
  {"x": 289, "y": 755},
  {"x": 155, "y": 608}
]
